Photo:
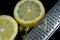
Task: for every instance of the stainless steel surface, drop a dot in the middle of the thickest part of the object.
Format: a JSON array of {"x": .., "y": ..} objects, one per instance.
[{"x": 47, "y": 26}]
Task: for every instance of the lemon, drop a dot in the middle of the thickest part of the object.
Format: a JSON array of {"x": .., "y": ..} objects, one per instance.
[
  {"x": 8, "y": 28},
  {"x": 29, "y": 12}
]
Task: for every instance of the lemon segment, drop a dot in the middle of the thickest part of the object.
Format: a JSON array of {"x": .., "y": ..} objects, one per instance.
[
  {"x": 29, "y": 12},
  {"x": 8, "y": 28}
]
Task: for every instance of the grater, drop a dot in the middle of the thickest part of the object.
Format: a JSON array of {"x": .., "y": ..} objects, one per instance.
[{"x": 47, "y": 26}]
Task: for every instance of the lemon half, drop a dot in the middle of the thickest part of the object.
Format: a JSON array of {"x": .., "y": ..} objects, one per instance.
[
  {"x": 29, "y": 12},
  {"x": 8, "y": 28}
]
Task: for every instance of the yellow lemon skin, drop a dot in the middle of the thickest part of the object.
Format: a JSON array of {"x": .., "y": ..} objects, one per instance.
[{"x": 33, "y": 22}]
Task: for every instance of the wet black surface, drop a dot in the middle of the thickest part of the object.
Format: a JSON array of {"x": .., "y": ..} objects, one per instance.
[{"x": 7, "y": 7}]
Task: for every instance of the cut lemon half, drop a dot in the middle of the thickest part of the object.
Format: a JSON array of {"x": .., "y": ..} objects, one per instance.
[
  {"x": 8, "y": 28},
  {"x": 29, "y": 12}
]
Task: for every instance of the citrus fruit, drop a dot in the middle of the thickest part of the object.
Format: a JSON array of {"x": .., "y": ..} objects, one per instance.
[
  {"x": 29, "y": 12},
  {"x": 8, "y": 28}
]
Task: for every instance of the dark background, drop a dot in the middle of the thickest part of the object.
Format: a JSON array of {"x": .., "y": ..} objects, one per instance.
[{"x": 7, "y": 7}]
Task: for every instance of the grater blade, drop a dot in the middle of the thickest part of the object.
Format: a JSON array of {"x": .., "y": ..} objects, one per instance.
[{"x": 47, "y": 26}]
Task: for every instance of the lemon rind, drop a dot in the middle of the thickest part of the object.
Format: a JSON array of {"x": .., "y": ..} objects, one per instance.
[
  {"x": 14, "y": 23},
  {"x": 29, "y": 23}
]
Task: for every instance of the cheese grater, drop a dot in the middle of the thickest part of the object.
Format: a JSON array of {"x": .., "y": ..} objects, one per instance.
[{"x": 47, "y": 26}]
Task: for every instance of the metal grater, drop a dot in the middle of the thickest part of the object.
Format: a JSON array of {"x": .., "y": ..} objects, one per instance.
[{"x": 47, "y": 26}]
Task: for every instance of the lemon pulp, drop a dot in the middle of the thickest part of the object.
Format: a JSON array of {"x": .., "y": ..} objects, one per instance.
[
  {"x": 8, "y": 28},
  {"x": 29, "y": 12}
]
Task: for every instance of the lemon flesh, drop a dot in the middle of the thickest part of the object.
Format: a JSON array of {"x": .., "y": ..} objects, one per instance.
[
  {"x": 8, "y": 28},
  {"x": 29, "y": 12}
]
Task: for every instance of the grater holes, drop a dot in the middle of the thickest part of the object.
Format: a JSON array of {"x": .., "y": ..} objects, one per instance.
[
  {"x": 50, "y": 21},
  {"x": 53, "y": 20},
  {"x": 58, "y": 21},
  {"x": 54, "y": 17},
  {"x": 47, "y": 31},
  {"x": 39, "y": 35},
  {"x": 58, "y": 13},
  {"x": 50, "y": 29},
  {"x": 57, "y": 17},
  {"x": 44, "y": 32},
  {"x": 41, "y": 32},
  {"x": 31, "y": 37},
  {"x": 50, "y": 26}
]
